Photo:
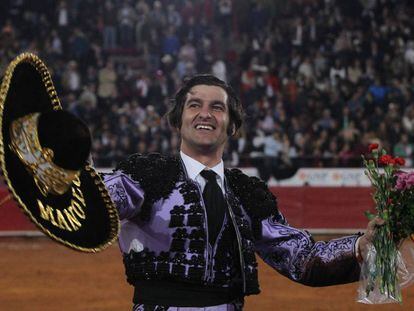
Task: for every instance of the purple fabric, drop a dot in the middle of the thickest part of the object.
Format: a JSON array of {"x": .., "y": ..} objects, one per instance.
[
  {"x": 136, "y": 234},
  {"x": 125, "y": 193},
  {"x": 290, "y": 251},
  {"x": 296, "y": 255}
]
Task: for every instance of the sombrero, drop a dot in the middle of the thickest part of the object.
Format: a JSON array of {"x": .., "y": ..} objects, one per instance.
[{"x": 43, "y": 157}]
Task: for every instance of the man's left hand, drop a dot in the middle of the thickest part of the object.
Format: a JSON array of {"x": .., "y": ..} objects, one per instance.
[{"x": 365, "y": 240}]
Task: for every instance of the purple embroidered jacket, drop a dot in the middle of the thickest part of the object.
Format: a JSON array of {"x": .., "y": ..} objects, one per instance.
[{"x": 169, "y": 243}]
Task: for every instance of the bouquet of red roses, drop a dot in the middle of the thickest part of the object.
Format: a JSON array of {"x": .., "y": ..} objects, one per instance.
[{"x": 384, "y": 269}]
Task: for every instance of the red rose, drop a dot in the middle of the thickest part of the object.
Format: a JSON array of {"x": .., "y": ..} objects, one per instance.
[
  {"x": 372, "y": 147},
  {"x": 400, "y": 161},
  {"x": 386, "y": 159}
]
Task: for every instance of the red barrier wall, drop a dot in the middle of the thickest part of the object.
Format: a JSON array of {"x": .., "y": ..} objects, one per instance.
[
  {"x": 304, "y": 207},
  {"x": 323, "y": 207},
  {"x": 12, "y": 218}
]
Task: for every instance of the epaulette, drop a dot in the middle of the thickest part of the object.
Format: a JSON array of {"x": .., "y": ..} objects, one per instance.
[
  {"x": 256, "y": 198},
  {"x": 157, "y": 175}
]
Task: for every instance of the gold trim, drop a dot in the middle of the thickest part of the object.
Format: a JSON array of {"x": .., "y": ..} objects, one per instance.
[
  {"x": 24, "y": 142},
  {"x": 41, "y": 68}
]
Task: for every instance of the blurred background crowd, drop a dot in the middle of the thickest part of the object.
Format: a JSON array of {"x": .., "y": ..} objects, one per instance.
[{"x": 319, "y": 79}]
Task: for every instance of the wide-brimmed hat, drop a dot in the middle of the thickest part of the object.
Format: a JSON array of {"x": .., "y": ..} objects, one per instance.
[{"x": 44, "y": 158}]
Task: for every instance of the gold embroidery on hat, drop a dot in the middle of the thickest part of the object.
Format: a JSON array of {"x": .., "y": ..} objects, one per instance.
[
  {"x": 49, "y": 177},
  {"x": 70, "y": 218}
]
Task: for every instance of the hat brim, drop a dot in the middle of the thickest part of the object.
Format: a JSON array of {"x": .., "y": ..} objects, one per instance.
[{"x": 84, "y": 218}]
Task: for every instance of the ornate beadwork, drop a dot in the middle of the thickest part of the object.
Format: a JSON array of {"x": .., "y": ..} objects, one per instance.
[
  {"x": 188, "y": 220},
  {"x": 139, "y": 265},
  {"x": 247, "y": 244},
  {"x": 257, "y": 200},
  {"x": 226, "y": 256},
  {"x": 190, "y": 193},
  {"x": 188, "y": 242},
  {"x": 176, "y": 221},
  {"x": 156, "y": 175}
]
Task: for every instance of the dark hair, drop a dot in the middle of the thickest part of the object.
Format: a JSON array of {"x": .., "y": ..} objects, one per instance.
[{"x": 174, "y": 115}]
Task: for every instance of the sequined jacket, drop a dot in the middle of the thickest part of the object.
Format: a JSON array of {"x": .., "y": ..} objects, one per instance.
[{"x": 164, "y": 231}]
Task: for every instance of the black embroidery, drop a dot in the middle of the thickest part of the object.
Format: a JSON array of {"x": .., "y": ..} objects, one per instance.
[
  {"x": 177, "y": 245},
  {"x": 256, "y": 198},
  {"x": 226, "y": 257},
  {"x": 190, "y": 193},
  {"x": 118, "y": 194},
  {"x": 197, "y": 234},
  {"x": 156, "y": 175},
  {"x": 188, "y": 242},
  {"x": 179, "y": 240},
  {"x": 247, "y": 245},
  {"x": 178, "y": 210},
  {"x": 139, "y": 265},
  {"x": 197, "y": 246},
  {"x": 180, "y": 233},
  {"x": 196, "y": 267},
  {"x": 195, "y": 220},
  {"x": 176, "y": 221}
]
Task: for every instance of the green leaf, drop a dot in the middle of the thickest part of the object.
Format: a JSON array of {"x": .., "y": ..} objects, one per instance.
[
  {"x": 371, "y": 164},
  {"x": 369, "y": 215}
]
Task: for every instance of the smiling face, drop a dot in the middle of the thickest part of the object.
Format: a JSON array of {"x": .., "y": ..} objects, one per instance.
[{"x": 205, "y": 120}]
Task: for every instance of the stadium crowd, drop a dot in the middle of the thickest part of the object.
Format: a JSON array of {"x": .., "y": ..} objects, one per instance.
[{"x": 319, "y": 80}]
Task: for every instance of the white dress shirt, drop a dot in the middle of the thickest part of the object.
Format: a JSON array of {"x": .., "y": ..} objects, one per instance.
[{"x": 194, "y": 168}]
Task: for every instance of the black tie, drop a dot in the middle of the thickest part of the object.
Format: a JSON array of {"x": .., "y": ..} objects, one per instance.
[{"x": 215, "y": 204}]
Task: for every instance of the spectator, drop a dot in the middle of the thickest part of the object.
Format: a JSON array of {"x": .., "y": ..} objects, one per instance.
[
  {"x": 71, "y": 78},
  {"x": 142, "y": 87},
  {"x": 109, "y": 28},
  {"x": 225, "y": 9},
  {"x": 170, "y": 43},
  {"x": 63, "y": 15},
  {"x": 337, "y": 72},
  {"x": 272, "y": 151},
  {"x": 354, "y": 71},
  {"x": 126, "y": 21},
  {"x": 219, "y": 70},
  {"x": 378, "y": 91},
  {"x": 409, "y": 53},
  {"x": 408, "y": 119},
  {"x": 88, "y": 98},
  {"x": 306, "y": 69},
  {"x": 107, "y": 81},
  {"x": 173, "y": 17},
  {"x": 326, "y": 122}
]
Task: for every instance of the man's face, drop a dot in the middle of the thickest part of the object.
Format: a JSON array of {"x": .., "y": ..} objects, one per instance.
[{"x": 205, "y": 119}]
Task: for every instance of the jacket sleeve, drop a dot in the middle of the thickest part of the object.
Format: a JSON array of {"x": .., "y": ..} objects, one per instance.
[
  {"x": 296, "y": 255},
  {"x": 126, "y": 193}
]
